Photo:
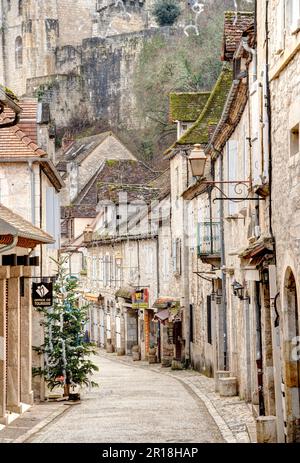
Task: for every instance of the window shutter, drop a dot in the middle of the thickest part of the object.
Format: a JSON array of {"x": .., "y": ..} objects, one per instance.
[
  {"x": 108, "y": 263},
  {"x": 255, "y": 96},
  {"x": 104, "y": 271},
  {"x": 232, "y": 158},
  {"x": 294, "y": 14},
  {"x": 174, "y": 251},
  {"x": 280, "y": 27},
  {"x": 50, "y": 215},
  {"x": 101, "y": 269},
  {"x": 178, "y": 256},
  {"x": 57, "y": 225}
]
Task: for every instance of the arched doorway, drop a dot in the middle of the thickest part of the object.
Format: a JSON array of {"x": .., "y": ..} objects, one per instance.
[{"x": 292, "y": 357}]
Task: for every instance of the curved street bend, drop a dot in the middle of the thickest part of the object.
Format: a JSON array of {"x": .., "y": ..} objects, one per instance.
[{"x": 133, "y": 405}]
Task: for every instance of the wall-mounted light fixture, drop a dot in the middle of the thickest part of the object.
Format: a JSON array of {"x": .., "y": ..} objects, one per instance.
[
  {"x": 239, "y": 291},
  {"x": 198, "y": 159},
  {"x": 218, "y": 297}
]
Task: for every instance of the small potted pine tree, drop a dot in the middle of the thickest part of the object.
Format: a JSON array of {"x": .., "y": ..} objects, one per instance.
[{"x": 65, "y": 348}]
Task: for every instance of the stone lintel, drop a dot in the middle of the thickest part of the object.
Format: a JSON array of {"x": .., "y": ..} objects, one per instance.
[
  {"x": 4, "y": 272},
  {"x": 16, "y": 272},
  {"x": 27, "y": 271}
]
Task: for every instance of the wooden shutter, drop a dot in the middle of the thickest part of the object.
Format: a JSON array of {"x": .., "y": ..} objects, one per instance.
[
  {"x": 293, "y": 13},
  {"x": 53, "y": 216},
  {"x": 256, "y": 164},
  {"x": 280, "y": 27},
  {"x": 232, "y": 169}
]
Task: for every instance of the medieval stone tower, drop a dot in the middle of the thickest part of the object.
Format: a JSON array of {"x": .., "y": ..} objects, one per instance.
[{"x": 32, "y": 31}]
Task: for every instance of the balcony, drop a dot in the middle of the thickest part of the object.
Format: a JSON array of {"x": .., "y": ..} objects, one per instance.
[{"x": 209, "y": 242}]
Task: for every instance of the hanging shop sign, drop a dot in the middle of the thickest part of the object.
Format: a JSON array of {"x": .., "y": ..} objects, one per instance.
[
  {"x": 42, "y": 294},
  {"x": 140, "y": 299}
]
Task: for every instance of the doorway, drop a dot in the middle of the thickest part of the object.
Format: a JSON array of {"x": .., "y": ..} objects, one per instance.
[{"x": 292, "y": 359}]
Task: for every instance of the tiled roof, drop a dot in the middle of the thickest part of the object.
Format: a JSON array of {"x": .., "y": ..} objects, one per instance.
[
  {"x": 28, "y": 117},
  {"x": 82, "y": 147},
  {"x": 15, "y": 142},
  {"x": 12, "y": 223},
  {"x": 119, "y": 172},
  {"x": 113, "y": 176},
  {"x": 186, "y": 107},
  {"x": 201, "y": 130},
  {"x": 235, "y": 24},
  {"x": 163, "y": 183}
]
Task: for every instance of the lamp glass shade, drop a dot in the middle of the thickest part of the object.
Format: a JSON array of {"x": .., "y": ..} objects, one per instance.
[{"x": 197, "y": 160}]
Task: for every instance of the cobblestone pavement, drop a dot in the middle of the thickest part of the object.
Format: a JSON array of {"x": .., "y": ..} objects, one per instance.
[
  {"x": 133, "y": 405},
  {"x": 232, "y": 415}
]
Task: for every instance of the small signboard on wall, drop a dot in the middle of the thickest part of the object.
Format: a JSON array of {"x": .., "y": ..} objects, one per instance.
[
  {"x": 42, "y": 294},
  {"x": 140, "y": 299}
]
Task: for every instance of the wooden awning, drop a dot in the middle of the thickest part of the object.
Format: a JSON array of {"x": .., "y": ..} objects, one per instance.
[
  {"x": 125, "y": 293},
  {"x": 166, "y": 303},
  {"x": 13, "y": 225}
]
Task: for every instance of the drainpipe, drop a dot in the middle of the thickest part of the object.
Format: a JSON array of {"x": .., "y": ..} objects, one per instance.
[
  {"x": 157, "y": 266},
  {"x": 269, "y": 114},
  {"x": 259, "y": 355},
  {"x": 32, "y": 183},
  {"x": 253, "y": 52},
  {"x": 223, "y": 265}
]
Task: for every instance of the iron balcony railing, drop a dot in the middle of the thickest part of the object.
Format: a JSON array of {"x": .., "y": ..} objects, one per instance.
[{"x": 208, "y": 239}]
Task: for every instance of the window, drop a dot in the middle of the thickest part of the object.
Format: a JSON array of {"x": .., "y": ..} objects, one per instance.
[
  {"x": 100, "y": 263},
  {"x": 19, "y": 52},
  {"x": 177, "y": 184},
  {"x": 184, "y": 127},
  {"x": 294, "y": 140},
  {"x": 293, "y": 15},
  {"x": 20, "y": 7},
  {"x": 177, "y": 256},
  {"x": 94, "y": 268},
  {"x": 165, "y": 262},
  {"x": 118, "y": 271},
  {"x": 150, "y": 261},
  {"x": 106, "y": 270}
]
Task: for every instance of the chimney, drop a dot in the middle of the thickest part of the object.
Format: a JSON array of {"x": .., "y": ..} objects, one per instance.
[
  {"x": 67, "y": 141},
  {"x": 88, "y": 234}
]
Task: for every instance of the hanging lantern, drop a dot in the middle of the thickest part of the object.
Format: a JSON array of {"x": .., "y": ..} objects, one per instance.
[{"x": 197, "y": 160}]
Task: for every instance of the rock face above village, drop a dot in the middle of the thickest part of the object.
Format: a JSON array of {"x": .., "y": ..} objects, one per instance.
[{"x": 106, "y": 65}]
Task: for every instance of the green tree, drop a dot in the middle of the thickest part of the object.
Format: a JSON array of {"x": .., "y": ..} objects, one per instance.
[
  {"x": 65, "y": 350},
  {"x": 166, "y": 12}
]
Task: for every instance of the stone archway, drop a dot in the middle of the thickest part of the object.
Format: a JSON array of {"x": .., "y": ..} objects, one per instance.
[{"x": 292, "y": 357}]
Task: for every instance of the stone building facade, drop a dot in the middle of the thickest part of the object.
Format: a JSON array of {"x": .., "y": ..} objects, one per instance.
[
  {"x": 250, "y": 186},
  {"x": 35, "y": 197},
  {"x": 282, "y": 58}
]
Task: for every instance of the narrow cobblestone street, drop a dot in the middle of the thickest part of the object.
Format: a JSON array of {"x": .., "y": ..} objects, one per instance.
[{"x": 133, "y": 405}]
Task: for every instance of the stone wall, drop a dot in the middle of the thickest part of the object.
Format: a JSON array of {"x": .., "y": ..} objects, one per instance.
[
  {"x": 96, "y": 80},
  {"x": 285, "y": 91}
]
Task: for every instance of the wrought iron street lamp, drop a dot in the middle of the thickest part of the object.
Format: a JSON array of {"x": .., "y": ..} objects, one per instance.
[
  {"x": 198, "y": 159},
  {"x": 239, "y": 291}
]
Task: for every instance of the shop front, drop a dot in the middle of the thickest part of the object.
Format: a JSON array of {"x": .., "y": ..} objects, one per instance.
[{"x": 167, "y": 318}]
